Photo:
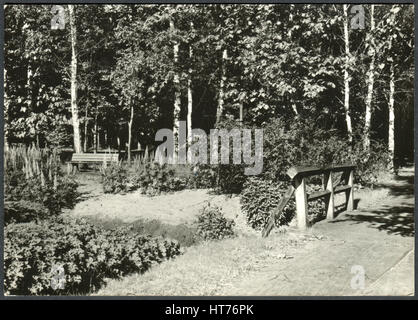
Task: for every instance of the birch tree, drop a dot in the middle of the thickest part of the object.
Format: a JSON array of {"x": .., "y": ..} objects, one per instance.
[
  {"x": 220, "y": 108},
  {"x": 370, "y": 81},
  {"x": 74, "y": 106},
  {"x": 190, "y": 93},
  {"x": 177, "y": 94},
  {"x": 346, "y": 75},
  {"x": 398, "y": 56}
]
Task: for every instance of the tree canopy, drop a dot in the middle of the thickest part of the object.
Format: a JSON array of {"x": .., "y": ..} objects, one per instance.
[{"x": 270, "y": 61}]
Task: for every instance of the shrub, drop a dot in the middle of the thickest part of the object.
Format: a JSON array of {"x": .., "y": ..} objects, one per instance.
[
  {"x": 23, "y": 211},
  {"x": 259, "y": 197},
  {"x": 153, "y": 179},
  {"x": 301, "y": 142},
  {"x": 88, "y": 255},
  {"x": 202, "y": 176},
  {"x": 114, "y": 178},
  {"x": 228, "y": 178},
  {"x": 212, "y": 225},
  {"x": 35, "y": 175},
  {"x": 66, "y": 193},
  {"x": 369, "y": 165}
]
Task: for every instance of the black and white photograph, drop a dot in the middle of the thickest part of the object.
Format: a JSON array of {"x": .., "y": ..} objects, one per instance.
[{"x": 208, "y": 150}]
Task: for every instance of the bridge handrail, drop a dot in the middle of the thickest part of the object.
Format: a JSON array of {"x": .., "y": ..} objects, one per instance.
[{"x": 298, "y": 174}]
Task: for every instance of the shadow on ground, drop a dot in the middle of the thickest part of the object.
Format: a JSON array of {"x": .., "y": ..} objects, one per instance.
[
  {"x": 394, "y": 219},
  {"x": 402, "y": 185}
]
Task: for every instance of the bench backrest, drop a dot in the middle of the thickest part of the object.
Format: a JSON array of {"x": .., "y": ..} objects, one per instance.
[{"x": 95, "y": 157}]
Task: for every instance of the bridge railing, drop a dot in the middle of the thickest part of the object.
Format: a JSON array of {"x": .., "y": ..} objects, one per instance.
[{"x": 299, "y": 176}]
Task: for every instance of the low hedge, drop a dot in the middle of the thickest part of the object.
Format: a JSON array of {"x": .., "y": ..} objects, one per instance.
[
  {"x": 24, "y": 211},
  {"x": 88, "y": 255},
  {"x": 152, "y": 179}
]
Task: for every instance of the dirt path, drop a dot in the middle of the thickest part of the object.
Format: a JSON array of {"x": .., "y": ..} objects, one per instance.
[{"x": 378, "y": 237}]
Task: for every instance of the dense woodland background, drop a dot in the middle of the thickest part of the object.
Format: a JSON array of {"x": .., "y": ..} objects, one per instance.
[
  {"x": 115, "y": 74},
  {"x": 323, "y": 90}
]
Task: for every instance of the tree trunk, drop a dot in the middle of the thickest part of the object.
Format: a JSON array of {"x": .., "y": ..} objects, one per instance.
[
  {"x": 346, "y": 76},
  {"x": 6, "y": 111},
  {"x": 189, "y": 98},
  {"x": 221, "y": 86},
  {"x": 391, "y": 107},
  {"x": 241, "y": 113},
  {"x": 131, "y": 120},
  {"x": 177, "y": 101},
  {"x": 370, "y": 84},
  {"x": 391, "y": 138},
  {"x": 74, "y": 107},
  {"x": 95, "y": 135},
  {"x": 86, "y": 121}
]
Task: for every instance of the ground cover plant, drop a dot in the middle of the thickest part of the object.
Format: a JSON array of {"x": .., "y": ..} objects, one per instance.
[{"x": 88, "y": 255}]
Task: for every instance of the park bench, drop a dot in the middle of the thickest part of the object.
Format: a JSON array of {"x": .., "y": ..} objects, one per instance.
[
  {"x": 95, "y": 159},
  {"x": 298, "y": 175}
]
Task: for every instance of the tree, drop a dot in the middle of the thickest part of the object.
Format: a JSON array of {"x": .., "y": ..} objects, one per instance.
[
  {"x": 190, "y": 95},
  {"x": 396, "y": 59},
  {"x": 74, "y": 87},
  {"x": 177, "y": 94},
  {"x": 370, "y": 81},
  {"x": 132, "y": 68},
  {"x": 346, "y": 75}
]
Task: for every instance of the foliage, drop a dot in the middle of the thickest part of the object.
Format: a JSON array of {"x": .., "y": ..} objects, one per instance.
[
  {"x": 35, "y": 175},
  {"x": 87, "y": 253},
  {"x": 282, "y": 61},
  {"x": 230, "y": 178},
  {"x": 260, "y": 197},
  {"x": 202, "y": 176},
  {"x": 152, "y": 179},
  {"x": 24, "y": 211},
  {"x": 369, "y": 164},
  {"x": 301, "y": 142},
  {"x": 114, "y": 178},
  {"x": 212, "y": 225}
]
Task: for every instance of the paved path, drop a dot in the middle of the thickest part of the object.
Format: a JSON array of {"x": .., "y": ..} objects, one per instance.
[{"x": 377, "y": 238}]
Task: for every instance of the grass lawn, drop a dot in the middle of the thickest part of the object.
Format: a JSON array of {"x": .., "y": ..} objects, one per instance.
[{"x": 209, "y": 268}]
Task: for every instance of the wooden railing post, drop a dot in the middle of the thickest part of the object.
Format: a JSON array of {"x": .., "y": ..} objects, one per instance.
[
  {"x": 329, "y": 204},
  {"x": 350, "y": 192},
  {"x": 301, "y": 202}
]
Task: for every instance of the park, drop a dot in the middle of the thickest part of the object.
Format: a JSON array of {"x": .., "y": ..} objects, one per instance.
[{"x": 209, "y": 150}]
